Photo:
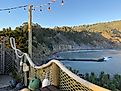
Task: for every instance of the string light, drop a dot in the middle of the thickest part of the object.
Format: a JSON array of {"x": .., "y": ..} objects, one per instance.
[
  {"x": 62, "y": 2},
  {"x": 40, "y": 9},
  {"x": 24, "y": 6},
  {"x": 8, "y": 9},
  {"x": 49, "y": 9},
  {"x": 49, "y": 3},
  {"x": 33, "y": 9},
  {"x": 53, "y": 0}
]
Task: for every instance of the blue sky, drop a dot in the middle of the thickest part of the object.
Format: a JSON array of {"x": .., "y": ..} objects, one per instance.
[{"x": 74, "y": 12}]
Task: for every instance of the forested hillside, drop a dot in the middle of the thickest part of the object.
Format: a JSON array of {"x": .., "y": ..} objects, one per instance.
[{"x": 50, "y": 40}]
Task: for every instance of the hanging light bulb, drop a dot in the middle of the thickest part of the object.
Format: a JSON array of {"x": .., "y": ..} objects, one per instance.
[
  {"x": 33, "y": 9},
  {"x": 49, "y": 3},
  {"x": 40, "y": 9},
  {"x": 62, "y": 2},
  {"x": 49, "y": 9},
  {"x": 24, "y": 8},
  {"x": 53, "y": 0}
]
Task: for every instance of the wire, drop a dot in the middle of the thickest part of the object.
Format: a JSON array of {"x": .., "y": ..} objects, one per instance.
[
  {"x": 13, "y": 8},
  {"x": 24, "y": 6}
]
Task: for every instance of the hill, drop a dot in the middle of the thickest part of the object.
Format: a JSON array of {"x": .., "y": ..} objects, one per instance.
[{"x": 49, "y": 40}]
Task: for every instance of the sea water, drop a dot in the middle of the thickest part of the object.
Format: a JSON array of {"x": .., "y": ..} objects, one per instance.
[{"x": 112, "y": 66}]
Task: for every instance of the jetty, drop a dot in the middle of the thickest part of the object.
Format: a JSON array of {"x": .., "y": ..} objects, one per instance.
[{"x": 82, "y": 59}]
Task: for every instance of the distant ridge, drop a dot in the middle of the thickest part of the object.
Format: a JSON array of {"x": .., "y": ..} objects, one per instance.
[{"x": 49, "y": 40}]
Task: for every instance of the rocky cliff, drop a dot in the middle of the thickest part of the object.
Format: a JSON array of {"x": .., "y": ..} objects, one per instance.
[{"x": 97, "y": 36}]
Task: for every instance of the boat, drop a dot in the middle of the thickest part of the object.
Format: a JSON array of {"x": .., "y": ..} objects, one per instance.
[{"x": 104, "y": 59}]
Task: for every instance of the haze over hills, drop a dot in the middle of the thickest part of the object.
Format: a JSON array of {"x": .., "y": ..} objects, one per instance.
[{"x": 49, "y": 40}]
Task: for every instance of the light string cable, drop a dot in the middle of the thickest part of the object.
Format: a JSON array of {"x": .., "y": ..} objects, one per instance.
[
  {"x": 13, "y": 8},
  {"x": 33, "y": 7},
  {"x": 47, "y": 4}
]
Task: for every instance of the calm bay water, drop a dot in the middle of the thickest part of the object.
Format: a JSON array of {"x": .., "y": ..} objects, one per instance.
[{"x": 111, "y": 66}]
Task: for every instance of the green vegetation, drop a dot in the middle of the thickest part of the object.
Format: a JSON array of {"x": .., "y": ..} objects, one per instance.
[
  {"x": 50, "y": 40},
  {"x": 20, "y": 34},
  {"x": 104, "y": 80}
]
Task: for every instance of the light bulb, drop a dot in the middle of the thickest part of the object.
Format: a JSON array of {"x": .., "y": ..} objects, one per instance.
[
  {"x": 49, "y": 9},
  {"x": 40, "y": 9},
  {"x": 62, "y": 3},
  {"x": 53, "y": 0}
]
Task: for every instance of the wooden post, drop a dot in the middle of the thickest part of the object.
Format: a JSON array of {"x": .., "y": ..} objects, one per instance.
[
  {"x": 55, "y": 74},
  {"x": 29, "y": 37},
  {"x": 25, "y": 79},
  {"x": 25, "y": 69},
  {"x": 30, "y": 30}
]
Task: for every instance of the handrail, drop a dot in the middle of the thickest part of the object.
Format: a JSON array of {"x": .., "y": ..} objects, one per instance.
[
  {"x": 60, "y": 65},
  {"x": 72, "y": 75},
  {"x": 17, "y": 51}
]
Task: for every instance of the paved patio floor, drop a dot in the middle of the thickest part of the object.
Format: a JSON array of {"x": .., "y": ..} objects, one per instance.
[{"x": 4, "y": 82}]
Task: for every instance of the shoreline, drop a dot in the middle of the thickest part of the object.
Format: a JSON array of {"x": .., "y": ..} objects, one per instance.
[{"x": 84, "y": 49}]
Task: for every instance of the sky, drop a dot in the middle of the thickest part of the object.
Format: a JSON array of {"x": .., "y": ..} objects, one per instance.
[{"x": 72, "y": 13}]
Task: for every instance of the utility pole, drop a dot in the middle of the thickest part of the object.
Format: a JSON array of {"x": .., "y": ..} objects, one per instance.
[
  {"x": 30, "y": 30},
  {"x": 29, "y": 42}
]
